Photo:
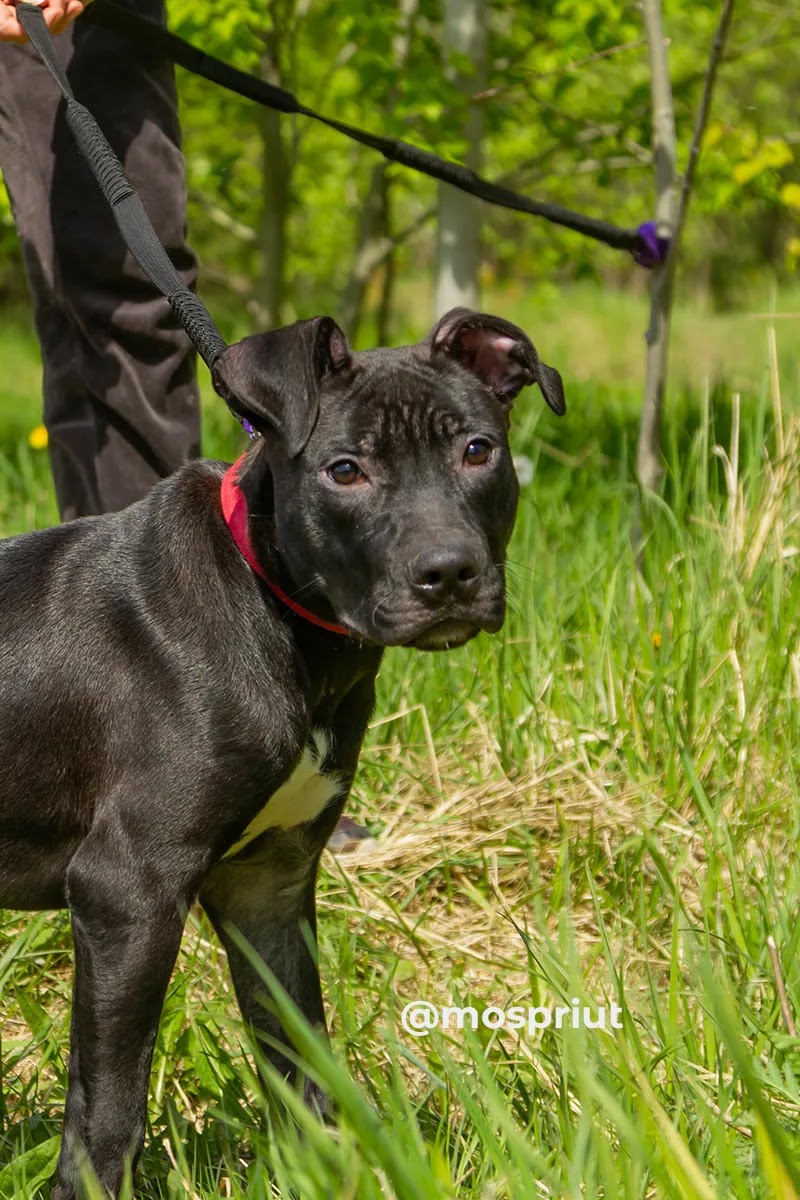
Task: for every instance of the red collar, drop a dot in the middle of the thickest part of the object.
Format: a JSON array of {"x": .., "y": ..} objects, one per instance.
[{"x": 234, "y": 510}]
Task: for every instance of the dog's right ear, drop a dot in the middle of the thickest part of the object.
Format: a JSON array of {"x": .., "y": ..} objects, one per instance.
[{"x": 273, "y": 379}]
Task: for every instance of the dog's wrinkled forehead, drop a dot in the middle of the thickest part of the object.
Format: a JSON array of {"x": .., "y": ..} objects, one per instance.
[{"x": 396, "y": 399}]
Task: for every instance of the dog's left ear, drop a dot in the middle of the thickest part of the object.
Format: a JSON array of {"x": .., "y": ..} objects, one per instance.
[
  {"x": 499, "y": 353},
  {"x": 273, "y": 379}
]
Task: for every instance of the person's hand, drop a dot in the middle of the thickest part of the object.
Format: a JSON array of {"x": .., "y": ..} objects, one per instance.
[{"x": 57, "y": 13}]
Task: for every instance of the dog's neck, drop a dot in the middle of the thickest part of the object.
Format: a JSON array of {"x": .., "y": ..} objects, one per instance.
[{"x": 245, "y": 486}]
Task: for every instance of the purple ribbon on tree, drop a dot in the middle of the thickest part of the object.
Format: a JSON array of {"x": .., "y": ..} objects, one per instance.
[{"x": 652, "y": 250}]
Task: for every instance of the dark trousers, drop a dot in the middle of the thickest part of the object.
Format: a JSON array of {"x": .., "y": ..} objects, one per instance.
[{"x": 120, "y": 396}]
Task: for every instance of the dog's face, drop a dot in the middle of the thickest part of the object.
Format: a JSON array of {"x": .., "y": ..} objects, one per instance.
[{"x": 394, "y": 488}]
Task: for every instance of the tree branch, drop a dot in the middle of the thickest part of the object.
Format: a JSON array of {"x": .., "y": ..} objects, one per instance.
[
  {"x": 701, "y": 121},
  {"x": 669, "y": 221}
]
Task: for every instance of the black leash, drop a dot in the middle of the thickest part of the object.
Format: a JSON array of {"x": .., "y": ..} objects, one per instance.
[
  {"x": 150, "y": 36},
  {"x": 133, "y": 221}
]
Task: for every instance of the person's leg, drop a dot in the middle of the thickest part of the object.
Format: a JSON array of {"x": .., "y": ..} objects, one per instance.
[{"x": 121, "y": 401}]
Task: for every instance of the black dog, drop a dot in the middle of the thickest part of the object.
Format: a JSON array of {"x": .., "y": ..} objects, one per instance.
[{"x": 185, "y": 685}]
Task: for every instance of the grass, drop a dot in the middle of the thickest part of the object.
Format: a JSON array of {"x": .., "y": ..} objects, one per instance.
[{"x": 601, "y": 803}]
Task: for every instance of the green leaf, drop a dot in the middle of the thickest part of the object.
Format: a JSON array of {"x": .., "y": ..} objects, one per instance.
[{"x": 29, "y": 1171}]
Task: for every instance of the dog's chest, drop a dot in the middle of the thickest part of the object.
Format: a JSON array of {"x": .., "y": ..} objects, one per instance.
[{"x": 309, "y": 790}]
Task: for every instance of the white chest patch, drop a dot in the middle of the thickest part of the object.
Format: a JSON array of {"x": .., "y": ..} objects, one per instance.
[{"x": 302, "y": 798}]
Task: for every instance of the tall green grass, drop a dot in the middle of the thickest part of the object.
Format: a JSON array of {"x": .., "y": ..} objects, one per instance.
[{"x": 601, "y": 803}]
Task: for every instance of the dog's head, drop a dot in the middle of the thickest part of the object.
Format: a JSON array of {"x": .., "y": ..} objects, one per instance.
[{"x": 393, "y": 488}]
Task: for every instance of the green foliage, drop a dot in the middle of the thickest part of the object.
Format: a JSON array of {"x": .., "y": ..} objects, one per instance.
[{"x": 567, "y": 110}]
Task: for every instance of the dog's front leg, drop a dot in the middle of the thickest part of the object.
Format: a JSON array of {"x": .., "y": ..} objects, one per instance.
[
  {"x": 127, "y": 922},
  {"x": 266, "y": 893},
  {"x": 269, "y": 900}
]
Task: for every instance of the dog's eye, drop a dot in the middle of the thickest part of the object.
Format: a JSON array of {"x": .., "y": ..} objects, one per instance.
[
  {"x": 478, "y": 452},
  {"x": 345, "y": 472}
]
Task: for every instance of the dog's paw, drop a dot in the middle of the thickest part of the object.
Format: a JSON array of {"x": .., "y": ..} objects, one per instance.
[
  {"x": 350, "y": 838},
  {"x": 63, "y": 1191}
]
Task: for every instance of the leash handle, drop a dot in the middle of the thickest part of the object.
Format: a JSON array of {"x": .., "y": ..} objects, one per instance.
[
  {"x": 134, "y": 223},
  {"x": 31, "y": 18}
]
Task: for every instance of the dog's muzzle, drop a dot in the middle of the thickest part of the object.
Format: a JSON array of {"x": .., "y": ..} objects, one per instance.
[{"x": 445, "y": 600}]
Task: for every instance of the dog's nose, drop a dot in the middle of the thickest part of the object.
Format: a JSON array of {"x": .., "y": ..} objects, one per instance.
[{"x": 450, "y": 572}]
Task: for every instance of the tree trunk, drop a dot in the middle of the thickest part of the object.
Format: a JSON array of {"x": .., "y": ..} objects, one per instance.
[
  {"x": 274, "y": 213},
  {"x": 387, "y": 284},
  {"x": 370, "y": 247},
  {"x": 671, "y": 210},
  {"x": 373, "y": 242},
  {"x": 276, "y": 168},
  {"x": 648, "y": 452},
  {"x": 458, "y": 242}
]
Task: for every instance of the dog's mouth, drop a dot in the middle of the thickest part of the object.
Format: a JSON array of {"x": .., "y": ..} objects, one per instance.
[
  {"x": 422, "y": 627},
  {"x": 445, "y": 635},
  {"x": 451, "y": 630}
]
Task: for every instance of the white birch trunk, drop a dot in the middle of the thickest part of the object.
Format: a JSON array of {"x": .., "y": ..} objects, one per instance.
[
  {"x": 648, "y": 454},
  {"x": 458, "y": 242}
]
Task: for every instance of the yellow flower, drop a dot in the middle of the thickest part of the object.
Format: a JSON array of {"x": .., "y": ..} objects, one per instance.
[
  {"x": 37, "y": 438},
  {"x": 656, "y": 640},
  {"x": 790, "y": 195}
]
